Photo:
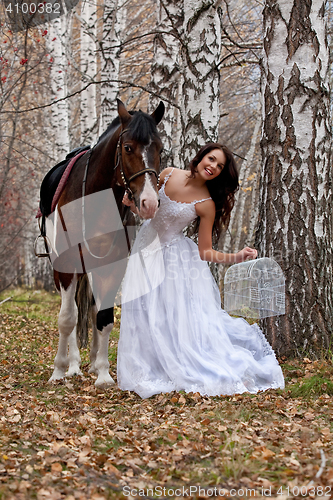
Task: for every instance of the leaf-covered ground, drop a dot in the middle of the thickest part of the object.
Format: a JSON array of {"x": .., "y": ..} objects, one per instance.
[{"x": 70, "y": 441}]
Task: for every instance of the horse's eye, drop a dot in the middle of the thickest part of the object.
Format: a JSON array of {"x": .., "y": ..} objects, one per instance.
[{"x": 127, "y": 148}]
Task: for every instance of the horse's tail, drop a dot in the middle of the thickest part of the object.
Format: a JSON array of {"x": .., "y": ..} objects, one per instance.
[{"x": 83, "y": 299}]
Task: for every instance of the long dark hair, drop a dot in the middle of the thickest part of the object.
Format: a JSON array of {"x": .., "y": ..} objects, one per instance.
[{"x": 222, "y": 188}]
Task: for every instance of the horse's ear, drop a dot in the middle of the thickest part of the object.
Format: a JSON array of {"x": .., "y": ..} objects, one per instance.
[
  {"x": 158, "y": 113},
  {"x": 123, "y": 113}
]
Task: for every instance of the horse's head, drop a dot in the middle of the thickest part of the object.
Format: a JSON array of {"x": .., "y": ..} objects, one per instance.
[{"x": 138, "y": 157}]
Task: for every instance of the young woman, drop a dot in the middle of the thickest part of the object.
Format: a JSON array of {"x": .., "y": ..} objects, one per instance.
[{"x": 174, "y": 334}]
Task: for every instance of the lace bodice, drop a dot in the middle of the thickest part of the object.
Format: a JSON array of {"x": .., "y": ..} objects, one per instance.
[{"x": 172, "y": 217}]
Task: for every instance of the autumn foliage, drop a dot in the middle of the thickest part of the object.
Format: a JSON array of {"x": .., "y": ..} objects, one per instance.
[{"x": 69, "y": 440}]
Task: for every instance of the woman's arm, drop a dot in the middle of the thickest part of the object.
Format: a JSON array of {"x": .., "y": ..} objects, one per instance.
[{"x": 206, "y": 212}]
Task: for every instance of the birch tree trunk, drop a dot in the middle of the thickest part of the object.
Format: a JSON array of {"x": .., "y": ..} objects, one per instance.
[
  {"x": 244, "y": 216},
  {"x": 58, "y": 67},
  {"x": 295, "y": 225},
  {"x": 88, "y": 116},
  {"x": 201, "y": 49},
  {"x": 245, "y": 212},
  {"x": 166, "y": 77},
  {"x": 114, "y": 19}
]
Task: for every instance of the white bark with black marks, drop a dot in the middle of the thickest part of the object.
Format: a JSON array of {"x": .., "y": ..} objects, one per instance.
[
  {"x": 201, "y": 49},
  {"x": 88, "y": 68},
  {"x": 166, "y": 76},
  {"x": 58, "y": 70},
  {"x": 295, "y": 225},
  {"x": 114, "y": 19}
]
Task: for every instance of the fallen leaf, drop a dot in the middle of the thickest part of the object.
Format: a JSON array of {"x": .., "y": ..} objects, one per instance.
[
  {"x": 267, "y": 454},
  {"x": 56, "y": 467},
  {"x": 111, "y": 469}
]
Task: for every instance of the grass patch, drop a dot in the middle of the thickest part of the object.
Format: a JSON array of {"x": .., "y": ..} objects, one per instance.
[
  {"x": 31, "y": 304},
  {"x": 313, "y": 387}
]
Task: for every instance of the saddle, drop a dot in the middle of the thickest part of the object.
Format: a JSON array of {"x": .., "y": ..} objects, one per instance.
[{"x": 52, "y": 180}]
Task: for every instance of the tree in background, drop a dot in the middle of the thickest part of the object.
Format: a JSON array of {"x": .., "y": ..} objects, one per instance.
[
  {"x": 114, "y": 18},
  {"x": 295, "y": 214},
  {"x": 57, "y": 46},
  {"x": 201, "y": 50},
  {"x": 23, "y": 80},
  {"x": 88, "y": 67},
  {"x": 241, "y": 115},
  {"x": 166, "y": 77}
]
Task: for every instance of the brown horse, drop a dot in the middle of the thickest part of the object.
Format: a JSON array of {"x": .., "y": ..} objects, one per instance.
[{"x": 90, "y": 231}]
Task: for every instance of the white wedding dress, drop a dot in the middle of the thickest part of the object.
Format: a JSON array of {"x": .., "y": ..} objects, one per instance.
[{"x": 174, "y": 334}]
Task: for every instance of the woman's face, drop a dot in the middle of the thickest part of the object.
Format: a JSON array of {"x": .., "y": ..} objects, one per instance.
[{"x": 212, "y": 164}]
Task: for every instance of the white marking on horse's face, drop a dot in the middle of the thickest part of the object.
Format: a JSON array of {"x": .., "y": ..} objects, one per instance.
[{"x": 149, "y": 197}]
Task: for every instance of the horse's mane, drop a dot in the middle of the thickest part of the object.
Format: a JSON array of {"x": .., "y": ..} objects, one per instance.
[{"x": 141, "y": 128}]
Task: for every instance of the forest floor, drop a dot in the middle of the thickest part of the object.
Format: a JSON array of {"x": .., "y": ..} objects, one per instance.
[{"x": 68, "y": 440}]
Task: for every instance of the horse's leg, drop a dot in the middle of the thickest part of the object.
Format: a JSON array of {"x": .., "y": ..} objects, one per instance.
[
  {"x": 73, "y": 356},
  {"x": 94, "y": 341},
  {"x": 105, "y": 284},
  {"x": 66, "y": 322},
  {"x": 104, "y": 327}
]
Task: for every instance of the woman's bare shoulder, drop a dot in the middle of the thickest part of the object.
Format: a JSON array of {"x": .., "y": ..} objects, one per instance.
[
  {"x": 164, "y": 173},
  {"x": 205, "y": 208}
]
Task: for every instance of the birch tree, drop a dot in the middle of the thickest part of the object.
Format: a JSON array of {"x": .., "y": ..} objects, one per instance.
[
  {"x": 166, "y": 76},
  {"x": 114, "y": 18},
  {"x": 201, "y": 48},
  {"x": 88, "y": 116},
  {"x": 295, "y": 225},
  {"x": 60, "y": 116},
  {"x": 243, "y": 217}
]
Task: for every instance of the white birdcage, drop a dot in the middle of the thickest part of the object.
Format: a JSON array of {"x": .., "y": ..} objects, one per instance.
[{"x": 255, "y": 289}]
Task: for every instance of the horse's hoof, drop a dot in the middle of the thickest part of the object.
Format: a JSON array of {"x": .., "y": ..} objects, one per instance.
[
  {"x": 105, "y": 383},
  {"x": 75, "y": 370},
  {"x": 55, "y": 377}
]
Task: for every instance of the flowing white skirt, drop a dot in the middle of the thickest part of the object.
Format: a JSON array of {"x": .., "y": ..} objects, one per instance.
[{"x": 175, "y": 336}]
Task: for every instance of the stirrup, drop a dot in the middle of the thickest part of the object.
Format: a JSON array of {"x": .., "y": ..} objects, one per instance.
[{"x": 47, "y": 244}]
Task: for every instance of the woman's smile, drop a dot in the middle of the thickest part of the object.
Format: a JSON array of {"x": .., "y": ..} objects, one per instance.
[{"x": 212, "y": 164}]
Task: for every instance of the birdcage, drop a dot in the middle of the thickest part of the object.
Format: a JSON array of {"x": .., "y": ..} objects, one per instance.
[{"x": 255, "y": 289}]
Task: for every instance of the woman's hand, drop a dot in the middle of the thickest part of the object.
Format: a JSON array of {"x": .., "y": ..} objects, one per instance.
[
  {"x": 129, "y": 203},
  {"x": 246, "y": 254}
]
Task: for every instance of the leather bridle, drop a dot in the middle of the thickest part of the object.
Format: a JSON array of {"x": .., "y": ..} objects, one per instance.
[
  {"x": 119, "y": 164},
  {"x": 130, "y": 193}
]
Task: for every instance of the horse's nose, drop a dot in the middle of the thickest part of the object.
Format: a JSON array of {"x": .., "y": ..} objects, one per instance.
[
  {"x": 149, "y": 207},
  {"x": 145, "y": 204}
]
